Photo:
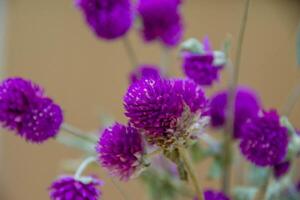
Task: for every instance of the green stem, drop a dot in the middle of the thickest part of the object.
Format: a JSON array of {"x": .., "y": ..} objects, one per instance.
[
  {"x": 130, "y": 52},
  {"x": 261, "y": 193},
  {"x": 191, "y": 172},
  {"x": 153, "y": 153},
  {"x": 231, "y": 101},
  {"x": 83, "y": 166},
  {"x": 76, "y": 132},
  {"x": 165, "y": 59}
]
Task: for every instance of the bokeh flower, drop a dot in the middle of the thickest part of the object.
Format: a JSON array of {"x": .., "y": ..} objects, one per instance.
[
  {"x": 108, "y": 19},
  {"x": 121, "y": 150},
  {"x": 247, "y": 105},
  {"x": 26, "y": 110},
  {"x": 281, "y": 169},
  {"x": 264, "y": 141},
  {"x": 68, "y": 188},
  {"x": 145, "y": 71},
  {"x": 165, "y": 111},
  {"x": 161, "y": 20},
  {"x": 213, "y": 195}
]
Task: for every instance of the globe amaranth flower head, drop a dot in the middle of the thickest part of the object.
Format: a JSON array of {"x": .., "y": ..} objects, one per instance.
[
  {"x": 161, "y": 21},
  {"x": 247, "y": 105},
  {"x": 108, "y": 19},
  {"x": 26, "y": 110},
  {"x": 213, "y": 195},
  {"x": 121, "y": 151},
  {"x": 145, "y": 71},
  {"x": 69, "y": 188},
  {"x": 281, "y": 169},
  {"x": 165, "y": 111},
  {"x": 264, "y": 141},
  {"x": 204, "y": 65}
]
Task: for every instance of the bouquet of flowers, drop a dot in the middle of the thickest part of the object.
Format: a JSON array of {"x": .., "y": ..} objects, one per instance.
[{"x": 169, "y": 118}]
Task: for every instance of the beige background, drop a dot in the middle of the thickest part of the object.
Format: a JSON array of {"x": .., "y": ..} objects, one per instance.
[{"x": 48, "y": 42}]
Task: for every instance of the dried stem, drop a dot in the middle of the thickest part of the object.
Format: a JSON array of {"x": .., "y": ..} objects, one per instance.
[
  {"x": 231, "y": 101},
  {"x": 191, "y": 172},
  {"x": 76, "y": 132},
  {"x": 130, "y": 52}
]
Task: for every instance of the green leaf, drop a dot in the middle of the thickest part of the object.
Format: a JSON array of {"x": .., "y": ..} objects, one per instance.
[
  {"x": 215, "y": 171},
  {"x": 257, "y": 175},
  {"x": 192, "y": 45}
]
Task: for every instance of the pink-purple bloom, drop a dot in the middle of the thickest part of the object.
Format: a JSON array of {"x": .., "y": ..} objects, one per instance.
[
  {"x": 68, "y": 188},
  {"x": 281, "y": 169},
  {"x": 247, "y": 105},
  {"x": 264, "y": 141},
  {"x": 201, "y": 66},
  {"x": 164, "y": 110},
  {"x": 161, "y": 20},
  {"x": 145, "y": 71},
  {"x": 108, "y": 19},
  {"x": 120, "y": 151},
  {"x": 214, "y": 195},
  {"x": 26, "y": 110}
]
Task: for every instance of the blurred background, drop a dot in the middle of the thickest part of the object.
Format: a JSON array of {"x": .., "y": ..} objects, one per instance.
[{"x": 48, "y": 42}]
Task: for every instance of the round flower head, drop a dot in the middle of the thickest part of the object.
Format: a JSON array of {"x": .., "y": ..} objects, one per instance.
[
  {"x": 145, "y": 71},
  {"x": 161, "y": 21},
  {"x": 25, "y": 109},
  {"x": 68, "y": 188},
  {"x": 247, "y": 105},
  {"x": 202, "y": 67},
  {"x": 213, "y": 195},
  {"x": 108, "y": 19},
  {"x": 164, "y": 110},
  {"x": 120, "y": 150},
  {"x": 281, "y": 169},
  {"x": 264, "y": 141}
]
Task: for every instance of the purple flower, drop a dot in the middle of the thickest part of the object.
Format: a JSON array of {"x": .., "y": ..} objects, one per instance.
[
  {"x": 281, "y": 169},
  {"x": 145, "y": 71},
  {"x": 213, "y": 195},
  {"x": 120, "y": 150},
  {"x": 25, "y": 109},
  {"x": 246, "y": 106},
  {"x": 67, "y": 188},
  {"x": 202, "y": 66},
  {"x": 161, "y": 21},
  {"x": 108, "y": 19},
  {"x": 164, "y": 110},
  {"x": 264, "y": 141}
]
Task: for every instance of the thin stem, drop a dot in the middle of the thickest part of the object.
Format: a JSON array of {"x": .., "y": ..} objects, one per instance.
[
  {"x": 191, "y": 172},
  {"x": 292, "y": 100},
  {"x": 165, "y": 59},
  {"x": 76, "y": 132},
  {"x": 231, "y": 101},
  {"x": 123, "y": 194},
  {"x": 83, "y": 166},
  {"x": 130, "y": 52}
]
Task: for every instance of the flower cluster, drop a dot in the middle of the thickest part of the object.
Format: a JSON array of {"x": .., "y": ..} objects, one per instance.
[
  {"x": 108, "y": 19},
  {"x": 203, "y": 65},
  {"x": 145, "y": 71},
  {"x": 161, "y": 20},
  {"x": 165, "y": 111},
  {"x": 25, "y": 109},
  {"x": 265, "y": 140},
  {"x": 67, "y": 188},
  {"x": 120, "y": 150}
]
